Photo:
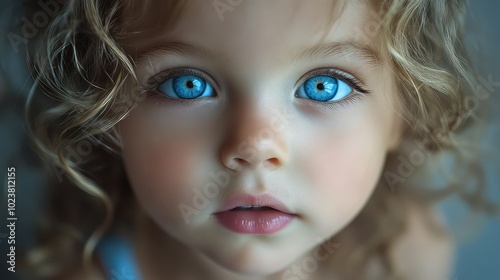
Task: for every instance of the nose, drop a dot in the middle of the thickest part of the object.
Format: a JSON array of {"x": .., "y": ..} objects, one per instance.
[{"x": 254, "y": 140}]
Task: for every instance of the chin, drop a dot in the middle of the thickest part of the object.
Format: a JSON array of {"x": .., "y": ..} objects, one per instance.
[{"x": 251, "y": 262}]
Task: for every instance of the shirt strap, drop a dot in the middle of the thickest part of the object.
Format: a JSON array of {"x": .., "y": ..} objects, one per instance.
[{"x": 117, "y": 257}]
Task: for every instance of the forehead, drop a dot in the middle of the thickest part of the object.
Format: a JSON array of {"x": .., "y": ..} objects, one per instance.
[{"x": 251, "y": 27}]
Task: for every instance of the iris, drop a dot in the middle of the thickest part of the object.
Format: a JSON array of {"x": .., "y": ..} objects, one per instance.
[
  {"x": 185, "y": 87},
  {"x": 324, "y": 88}
]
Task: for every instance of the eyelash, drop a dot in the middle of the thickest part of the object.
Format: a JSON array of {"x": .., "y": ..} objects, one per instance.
[
  {"x": 160, "y": 99},
  {"x": 349, "y": 79}
]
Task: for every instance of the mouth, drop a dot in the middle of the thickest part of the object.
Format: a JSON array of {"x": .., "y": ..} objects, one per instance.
[
  {"x": 251, "y": 208},
  {"x": 249, "y": 214}
]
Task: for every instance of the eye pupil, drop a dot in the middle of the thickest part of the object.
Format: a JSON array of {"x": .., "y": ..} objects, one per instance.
[
  {"x": 320, "y": 86},
  {"x": 189, "y": 84}
]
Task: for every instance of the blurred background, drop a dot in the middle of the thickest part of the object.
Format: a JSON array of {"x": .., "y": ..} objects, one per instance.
[{"x": 478, "y": 253}]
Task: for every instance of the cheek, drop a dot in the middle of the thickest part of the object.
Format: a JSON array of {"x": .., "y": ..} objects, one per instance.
[
  {"x": 160, "y": 168},
  {"x": 167, "y": 165},
  {"x": 343, "y": 167},
  {"x": 345, "y": 163}
]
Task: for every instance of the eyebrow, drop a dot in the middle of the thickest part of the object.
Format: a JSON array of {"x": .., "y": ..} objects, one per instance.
[
  {"x": 176, "y": 48},
  {"x": 317, "y": 52},
  {"x": 342, "y": 48}
]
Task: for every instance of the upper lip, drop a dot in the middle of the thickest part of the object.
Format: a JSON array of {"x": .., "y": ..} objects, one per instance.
[{"x": 254, "y": 200}]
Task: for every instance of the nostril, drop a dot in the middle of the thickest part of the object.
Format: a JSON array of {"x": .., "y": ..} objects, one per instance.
[
  {"x": 274, "y": 161},
  {"x": 239, "y": 161}
]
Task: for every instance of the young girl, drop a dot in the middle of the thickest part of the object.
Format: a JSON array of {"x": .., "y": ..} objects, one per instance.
[{"x": 247, "y": 139}]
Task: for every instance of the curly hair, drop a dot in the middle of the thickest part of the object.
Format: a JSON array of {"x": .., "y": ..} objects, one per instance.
[{"x": 87, "y": 76}]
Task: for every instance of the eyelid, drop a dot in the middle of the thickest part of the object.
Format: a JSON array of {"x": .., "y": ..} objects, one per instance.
[
  {"x": 349, "y": 79},
  {"x": 328, "y": 106}
]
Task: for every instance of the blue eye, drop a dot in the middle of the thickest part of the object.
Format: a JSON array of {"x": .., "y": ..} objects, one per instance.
[
  {"x": 186, "y": 87},
  {"x": 324, "y": 89}
]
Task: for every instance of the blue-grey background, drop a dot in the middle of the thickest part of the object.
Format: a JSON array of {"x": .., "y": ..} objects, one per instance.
[{"x": 478, "y": 255}]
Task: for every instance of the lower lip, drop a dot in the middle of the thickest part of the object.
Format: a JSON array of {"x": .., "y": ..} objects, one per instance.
[{"x": 266, "y": 221}]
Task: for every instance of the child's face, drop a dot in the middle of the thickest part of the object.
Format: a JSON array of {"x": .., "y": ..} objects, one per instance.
[{"x": 267, "y": 122}]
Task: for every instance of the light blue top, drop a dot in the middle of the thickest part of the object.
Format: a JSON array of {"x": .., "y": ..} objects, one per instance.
[{"x": 117, "y": 257}]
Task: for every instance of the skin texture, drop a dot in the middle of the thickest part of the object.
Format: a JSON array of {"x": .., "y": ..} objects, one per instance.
[{"x": 322, "y": 163}]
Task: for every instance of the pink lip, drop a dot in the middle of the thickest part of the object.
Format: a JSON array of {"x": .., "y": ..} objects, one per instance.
[{"x": 265, "y": 221}]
